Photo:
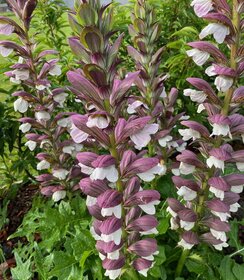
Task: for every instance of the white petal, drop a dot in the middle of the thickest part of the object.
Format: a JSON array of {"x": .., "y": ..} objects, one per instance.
[
  {"x": 189, "y": 133},
  {"x": 61, "y": 173},
  {"x": 213, "y": 161},
  {"x": 221, "y": 235},
  {"x": 100, "y": 122},
  {"x": 223, "y": 83},
  {"x": 185, "y": 245},
  {"x": 173, "y": 213},
  {"x": 116, "y": 211},
  {"x": 25, "y": 127},
  {"x": 223, "y": 216},
  {"x": 199, "y": 57},
  {"x": 186, "y": 168},
  {"x": 186, "y": 225},
  {"x": 234, "y": 207},
  {"x": 150, "y": 207},
  {"x": 42, "y": 116},
  {"x": 55, "y": 70},
  {"x": 218, "y": 193},
  {"x": 240, "y": 166},
  {"x": 58, "y": 195},
  {"x": 163, "y": 141},
  {"x": 237, "y": 189},
  {"x": 21, "y": 105},
  {"x": 31, "y": 145},
  {"x": 5, "y": 52},
  {"x": 43, "y": 165},
  {"x": 115, "y": 236},
  {"x": 148, "y": 232},
  {"x": 77, "y": 135},
  {"x": 113, "y": 255},
  {"x": 113, "y": 274},
  {"x": 220, "y": 247},
  {"x": 91, "y": 201},
  {"x": 187, "y": 193},
  {"x": 86, "y": 169}
]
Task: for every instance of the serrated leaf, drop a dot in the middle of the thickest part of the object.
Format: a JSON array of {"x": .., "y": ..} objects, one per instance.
[
  {"x": 238, "y": 271},
  {"x": 163, "y": 225},
  {"x": 22, "y": 269}
]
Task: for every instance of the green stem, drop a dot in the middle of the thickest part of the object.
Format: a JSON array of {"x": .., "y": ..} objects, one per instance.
[{"x": 181, "y": 262}]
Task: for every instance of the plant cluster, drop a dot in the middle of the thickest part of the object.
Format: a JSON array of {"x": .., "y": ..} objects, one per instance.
[{"x": 114, "y": 137}]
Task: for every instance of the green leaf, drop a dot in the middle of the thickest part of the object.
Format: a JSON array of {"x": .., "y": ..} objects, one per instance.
[
  {"x": 22, "y": 269},
  {"x": 163, "y": 225},
  {"x": 161, "y": 257},
  {"x": 195, "y": 266},
  {"x": 238, "y": 271},
  {"x": 225, "y": 269},
  {"x": 65, "y": 267},
  {"x": 186, "y": 31}
]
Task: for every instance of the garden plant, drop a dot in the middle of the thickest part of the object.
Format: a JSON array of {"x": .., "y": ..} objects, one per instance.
[{"x": 122, "y": 140}]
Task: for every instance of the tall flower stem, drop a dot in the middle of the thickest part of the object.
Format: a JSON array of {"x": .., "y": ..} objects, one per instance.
[
  {"x": 233, "y": 54},
  {"x": 181, "y": 262}
]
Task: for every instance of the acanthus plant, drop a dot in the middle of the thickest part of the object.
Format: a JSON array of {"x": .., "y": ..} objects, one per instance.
[
  {"x": 210, "y": 193},
  {"x": 153, "y": 100},
  {"x": 39, "y": 103},
  {"x": 113, "y": 171}
]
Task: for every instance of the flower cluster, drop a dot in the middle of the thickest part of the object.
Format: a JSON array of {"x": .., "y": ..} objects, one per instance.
[
  {"x": 112, "y": 172},
  {"x": 39, "y": 103},
  {"x": 153, "y": 99},
  {"x": 211, "y": 194}
]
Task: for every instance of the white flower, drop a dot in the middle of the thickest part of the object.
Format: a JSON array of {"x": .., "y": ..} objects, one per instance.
[
  {"x": 210, "y": 71},
  {"x": 223, "y": 83},
  {"x": 116, "y": 211},
  {"x": 148, "y": 232},
  {"x": 200, "y": 108},
  {"x": 219, "y": 31},
  {"x": 25, "y": 127},
  {"x": 60, "y": 98},
  {"x": 172, "y": 213},
  {"x": 220, "y": 246},
  {"x": 66, "y": 122},
  {"x": 163, "y": 141},
  {"x": 145, "y": 271},
  {"x": 149, "y": 175},
  {"x": 163, "y": 93},
  {"x": 109, "y": 172},
  {"x": 143, "y": 137},
  {"x": 176, "y": 171},
  {"x": 114, "y": 255},
  {"x": 223, "y": 216},
  {"x": 237, "y": 189},
  {"x": 195, "y": 95},
  {"x": 15, "y": 81},
  {"x": 221, "y": 235},
  {"x": 41, "y": 87},
  {"x": 187, "y": 193},
  {"x": 5, "y": 51},
  {"x": 58, "y": 195},
  {"x": 72, "y": 149},
  {"x": 189, "y": 133},
  {"x": 202, "y": 7},
  {"x": 113, "y": 274},
  {"x": 86, "y": 169},
  {"x": 101, "y": 256},
  {"x": 221, "y": 129},
  {"x": 133, "y": 106},
  {"x": 45, "y": 142},
  {"x": 98, "y": 121},
  {"x": 199, "y": 57},
  {"x": 21, "y": 74},
  {"x": 94, "y": 234},
  {"x": 240, "y": 166},
  {"x": 173, "y": 224},
  {"x": 42, "y": 116},
  {"x": 186, "y": 225},
  {"x": 186, "y": 168},
  {"x": 91, "y": 201},
  {"x": 149, "y": 208},
  {"x": 61, "y": 173},
  {"x": 213, "y": 161},
  {"x": 31, "y": 145},
  {"x": 114, "y": 236},
  {"x": 44, "y": 164},
  {"x": 21, "y": 105},
  {"x": 181, "y": 147},
  {"x": 218, "y": 193},
  {"x": 78, "y": 135},
  {"x": 234, "y": 207},
  {"x": 185, "y": 245},
  {"x": 55, "y": 70}
]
